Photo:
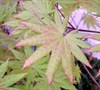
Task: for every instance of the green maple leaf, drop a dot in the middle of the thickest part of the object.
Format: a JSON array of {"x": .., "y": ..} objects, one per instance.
[
  {"x": 63, "y": 48},
  {"x": 95, "y": 48},
  {"x": 89, "y": 20},
  {"x": 60, "y": 81},
  {"x": 50, "y": 38}
]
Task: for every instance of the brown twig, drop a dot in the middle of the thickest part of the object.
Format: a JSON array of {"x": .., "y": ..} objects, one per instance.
[
  {"x": 83, "y": 30},
  {"x": 93, "y": 79}
]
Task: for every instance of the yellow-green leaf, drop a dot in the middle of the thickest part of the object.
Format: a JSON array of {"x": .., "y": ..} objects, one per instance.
[
  {"x": 24, "y": 15},
  {"x": 28, "y": 5},
  {"x": 95, "y": 48},
  {"x": 13, "y": 23},
  {"x": 58, "y": 21},
  {"x": 38, "y": 54},
  {"x": 68, "y": 62},
  {"x": 31, "y": 41},
  {"x": 3, "y": 69},
  {"x": 80, "y": 43},
  {"x": 11, "y": 79},
  {"x": 79, "y": 55},
  {"x": 53, "y": 63},
  {"x": 34, "y": 27}
]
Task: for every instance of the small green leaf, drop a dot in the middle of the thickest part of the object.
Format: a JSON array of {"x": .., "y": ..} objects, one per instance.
[
  {"x": 19, "y": 55},
  {"x": 11, "y": 10},
  {"x": 77, "y": 74},
  {"x": 3, "y": 69},
  {"x": 89, "y": 20},
  {"x": 28, "y": 5},
  {"x": 29, "y": 78},
  {"x": 24, "y": 15},
  {"x": 13, "y": 23},
  {"x": 11, "y": 79},
  {"x": 15, "y": 64},
  {"x": 28, "y": 51}
]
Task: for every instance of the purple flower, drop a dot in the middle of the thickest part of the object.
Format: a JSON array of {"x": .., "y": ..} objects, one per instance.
[
  {"x": 6, "y": 29},
  {"x": 5, "y": 46},
  {"x": 33, "y": 48}
]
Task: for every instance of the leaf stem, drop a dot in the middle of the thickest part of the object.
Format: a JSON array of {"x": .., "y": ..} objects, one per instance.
[{"x": 93, "y": 79}]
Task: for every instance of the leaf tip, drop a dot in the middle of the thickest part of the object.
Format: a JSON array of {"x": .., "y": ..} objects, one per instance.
[
  {"x": 24, "y": 67},
  {"x": 90, "y": 66},
  {"x": 50, "y": 81},
  {"x": 71, "y": 78}
]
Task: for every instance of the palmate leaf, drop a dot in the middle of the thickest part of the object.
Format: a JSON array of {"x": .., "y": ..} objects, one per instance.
[
  {"x": 50, "y": 39},
  {"x": 89, "y": 20},
  {"x": 19, "y": 55}
]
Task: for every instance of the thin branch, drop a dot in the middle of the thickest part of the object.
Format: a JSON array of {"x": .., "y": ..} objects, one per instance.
[
  {"x": 93, "y": 79},
  {"x": 83, "y": 30},
  {"x": 63, "y": 15}
]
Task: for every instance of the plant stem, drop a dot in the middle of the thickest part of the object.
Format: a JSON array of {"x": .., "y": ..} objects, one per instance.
[
  {"x": 93, "y": 79},
  {"x": 83, "y": 30}
]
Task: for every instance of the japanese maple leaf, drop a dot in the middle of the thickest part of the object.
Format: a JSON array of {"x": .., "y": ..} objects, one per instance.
[{"x": 62, "y": 47}]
